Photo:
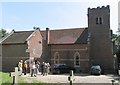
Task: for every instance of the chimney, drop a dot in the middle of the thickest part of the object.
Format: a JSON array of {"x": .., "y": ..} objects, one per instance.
[{"x": 47, "y": 35}]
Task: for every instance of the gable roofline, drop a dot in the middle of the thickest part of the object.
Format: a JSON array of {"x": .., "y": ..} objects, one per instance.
[
  {"x": 7, "y": 36},
  {"x": 17, "y": 37},
  {"x": 36, "y": 28}
]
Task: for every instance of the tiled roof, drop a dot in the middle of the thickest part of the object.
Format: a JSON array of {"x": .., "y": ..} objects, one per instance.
[
  {"x": 61, "y": 36},
  {"x": 17, "y": 37},
  {"x": 67, "y": 36}
]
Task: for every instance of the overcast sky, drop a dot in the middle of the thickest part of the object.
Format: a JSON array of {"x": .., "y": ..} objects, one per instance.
[{"x": 55, "y": 15}]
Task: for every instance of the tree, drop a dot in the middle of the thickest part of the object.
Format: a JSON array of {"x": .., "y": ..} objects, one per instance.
[
  {"x": 116, "y": 39},
  {"x": 116, "y": 46},
  {"x": 3, "y": 32}
]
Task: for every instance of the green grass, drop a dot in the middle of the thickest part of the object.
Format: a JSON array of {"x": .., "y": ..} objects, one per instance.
[{"x": 5, "y": 79}]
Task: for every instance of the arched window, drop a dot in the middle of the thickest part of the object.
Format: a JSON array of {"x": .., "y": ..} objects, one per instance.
[
  {"x": 77, "y": 59},
  {"x": 56, "y": 58}
]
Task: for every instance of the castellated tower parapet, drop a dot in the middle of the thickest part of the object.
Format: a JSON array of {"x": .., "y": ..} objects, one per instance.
[
  {"x": 99, "y": 8},
  {"x": 100, "y": 14}
]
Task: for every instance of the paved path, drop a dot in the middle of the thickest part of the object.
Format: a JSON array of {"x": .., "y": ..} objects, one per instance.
[{"x": 64, "y": 78}]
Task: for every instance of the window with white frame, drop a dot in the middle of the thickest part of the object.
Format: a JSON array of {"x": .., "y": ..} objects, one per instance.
[
  {"x": 77, "y": 59},
  {"x": 56, "y": 58}
]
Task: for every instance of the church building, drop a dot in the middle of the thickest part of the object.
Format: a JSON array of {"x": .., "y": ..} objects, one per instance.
[{"x": 77, "y": 47}]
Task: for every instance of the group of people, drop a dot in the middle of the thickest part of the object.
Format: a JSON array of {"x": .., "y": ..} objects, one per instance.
[
  {"x": 33, "y": 67},
  {"x": 45, "y": 68},
  {"x": 23, "y": 67}
]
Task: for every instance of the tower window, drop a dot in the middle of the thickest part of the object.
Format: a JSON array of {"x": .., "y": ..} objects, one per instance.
[{"x": 98, "y": 20}]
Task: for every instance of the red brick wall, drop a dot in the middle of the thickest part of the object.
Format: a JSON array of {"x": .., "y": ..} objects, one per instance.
[
  {"x": 35, "y": 44},
  {"x": 66, "y": 55}
]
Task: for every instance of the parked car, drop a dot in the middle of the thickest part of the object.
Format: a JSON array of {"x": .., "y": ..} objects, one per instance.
[
  {"x": 62, "y": 68},
  {"x": 96, "y": 70}
]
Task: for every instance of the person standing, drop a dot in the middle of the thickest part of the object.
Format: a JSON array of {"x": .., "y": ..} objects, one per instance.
[
  {"x": 31, "y": 66},
  {"x": 33, "y": 70},
  {"x": 45, "y": 69},
  {"x": 37, "y": 67},
  {"x": 42, "y": 68},
  {"x": 25, "y": 68},
  {"x": 48, "y": 69},
  {"x": 20, "y": 66}
]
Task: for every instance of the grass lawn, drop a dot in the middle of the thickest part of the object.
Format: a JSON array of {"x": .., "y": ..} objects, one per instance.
[{"x": 5, "y": 79}]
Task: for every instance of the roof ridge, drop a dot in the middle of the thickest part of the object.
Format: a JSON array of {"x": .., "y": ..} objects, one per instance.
[
  {"x": 23, "y": 31},
  {"x": 64, "y": 29}
]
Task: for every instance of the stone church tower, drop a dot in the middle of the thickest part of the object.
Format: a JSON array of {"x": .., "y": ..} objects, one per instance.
[{"x": 100, "y": 37}]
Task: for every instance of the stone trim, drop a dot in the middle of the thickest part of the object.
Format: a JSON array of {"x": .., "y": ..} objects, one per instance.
[
  {"x": 70, "y": 49},
  {"x": 70, "y": 59}
]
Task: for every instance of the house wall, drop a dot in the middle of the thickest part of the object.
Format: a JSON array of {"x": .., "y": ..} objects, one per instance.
[
  {"x": 12, "y": 54},
  {"x": 66, "y": 55},
  {"x": 35, "y": 45}
]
